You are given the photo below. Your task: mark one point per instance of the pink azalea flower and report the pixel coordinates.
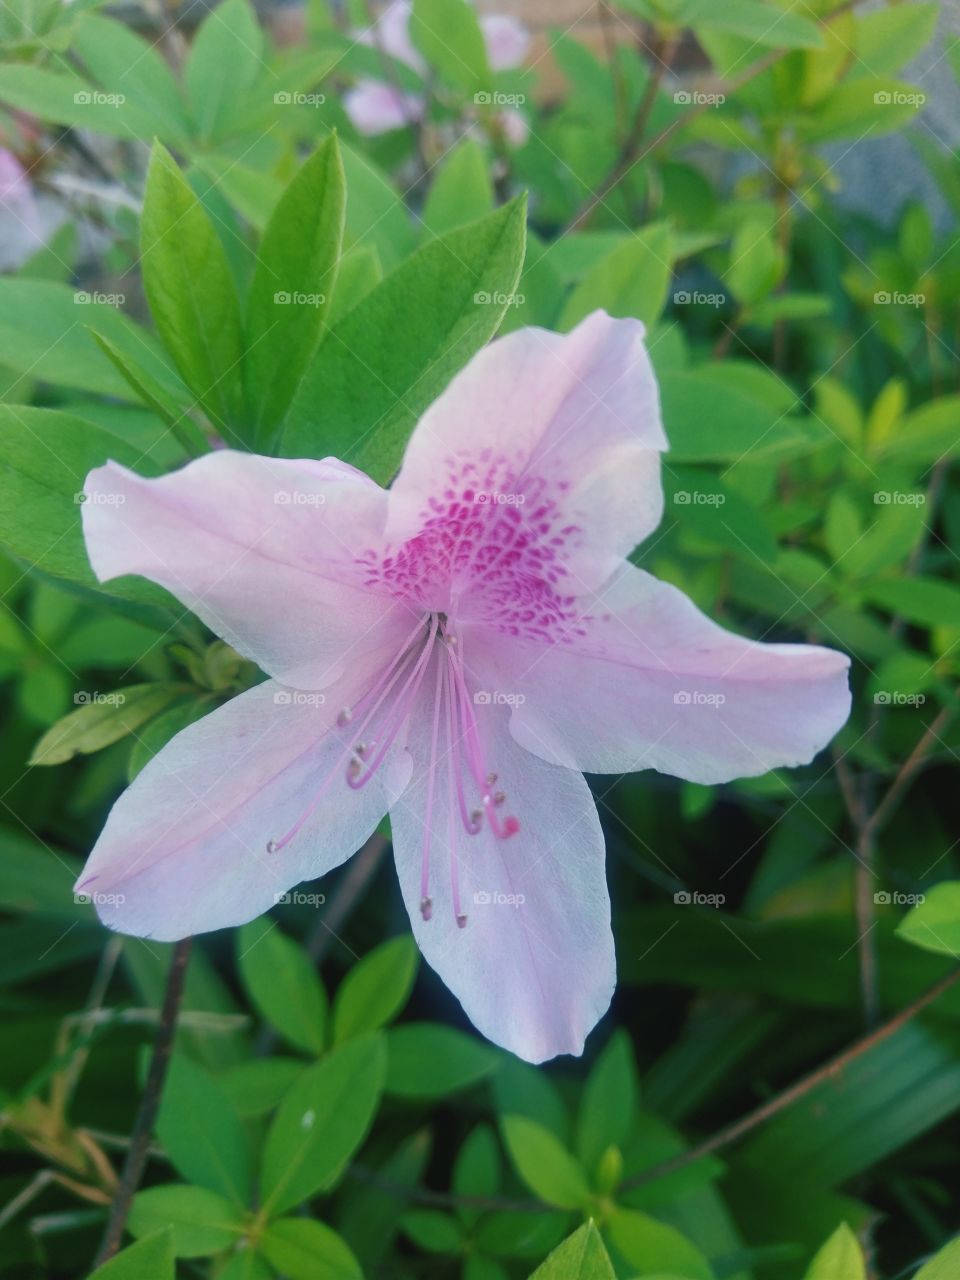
(454, 650)
(375, 107)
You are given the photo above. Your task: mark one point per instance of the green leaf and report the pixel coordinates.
(433, 1230)
(190, 289)
(858, 107)
(462, 190)
(944, 1265)
(925, 601)
(202, 1222)
(888, 38)
(321, 1122)
(544, 1164)
(151, 1258)
(257, 1085)
(392, 355)
(283, 984)
(212, 1154)
(68, 99)
(841, 1258)
(761, 24)
(650, 1245)
(934, 923)
(123, 63)
(45, 334)
(448, 34)
(428, 1060)
(927, 434)
(304, 1249)
(100, 722)
(609, 1102)
(756, 263)
(376, 988)
(709, 419)
(226, 60)
(632, 280)
(293, 284)
(582, 1256)
(155, 396)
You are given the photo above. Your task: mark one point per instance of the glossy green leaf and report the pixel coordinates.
(389, 357)
(283, 984)
(292, 288)
(226, 61)
(321, 1122)
(841, 1258)
(212, 1154)
(304, 1249)
(544, 1164)
(428, 1060)
(448, 34)
(102, 720)
(934, 923)
(581, 1257)
(376, 988)
(191, 292)
(151, 1258)
(631, 280)
(202, 1222)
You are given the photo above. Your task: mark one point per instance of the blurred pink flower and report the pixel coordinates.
(376, 107)
(454, 650)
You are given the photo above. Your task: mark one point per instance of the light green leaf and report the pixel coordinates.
(428, 1060)
(888, 38)
(226, 60)
(609, 1102)
(155, 396)
(64, 98)
(841, 1258)
(123, 63)
(462, 190)
(582, 1256)
(433, 1230)
(925, 601)
(304, 1249)
(544, 1164)
(632, 280)
(871, 106)
(212, 1154)
(934, 923)
(292, 288)
(283, 984)
(102, 721)
(321, 1122)
(448, 34)
(756, 263)
(202, 1222)
(944, 1265)
(151, 1258)
(190, 289)
(650, 1245)
(761, 24)
(376, 988)
(390, 357)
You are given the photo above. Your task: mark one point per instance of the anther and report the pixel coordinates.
(476, 817)
(344, 718)
(353, 768)
(461, 922)
(491, 779)
(426, 908)
(499, 798)
(271, 846)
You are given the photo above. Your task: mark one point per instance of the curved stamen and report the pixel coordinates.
(509, 826)
(397, 718)
(431, 782)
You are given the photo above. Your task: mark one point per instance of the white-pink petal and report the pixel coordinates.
(507, 41)
(261, 549)
(655, 684)
(376, 108)
(534, 966)
(571, 420)
(185, 850)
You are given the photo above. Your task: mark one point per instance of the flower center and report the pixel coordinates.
(455, 745)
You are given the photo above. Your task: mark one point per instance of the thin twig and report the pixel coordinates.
(140, 1138)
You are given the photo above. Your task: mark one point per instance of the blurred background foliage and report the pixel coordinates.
(683, 163)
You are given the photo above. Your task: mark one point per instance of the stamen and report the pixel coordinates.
(382, 687)
(510, 826)
(426, 908)
(461, 922)
(431, 781)
(397, 718)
